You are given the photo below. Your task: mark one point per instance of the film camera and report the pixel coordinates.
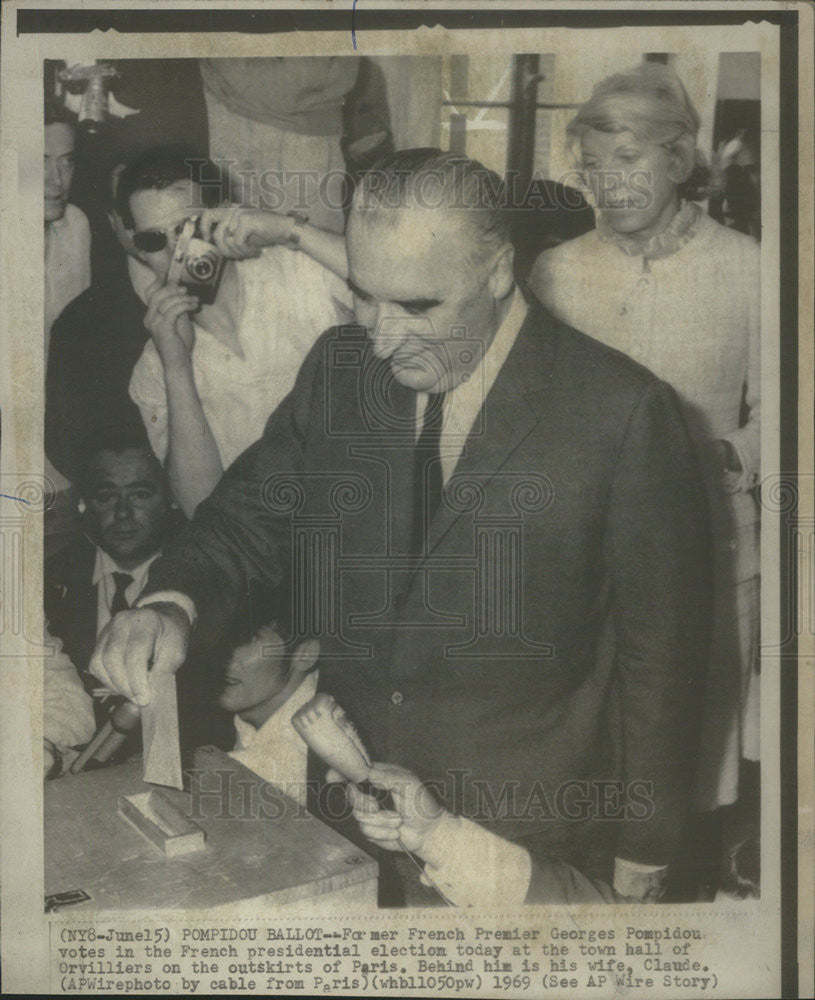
(196, 264)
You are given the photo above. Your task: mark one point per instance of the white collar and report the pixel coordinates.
(463, 404)
(105, 564)
(496, 354)
(485, 372)
(281, 717)
(57, 225)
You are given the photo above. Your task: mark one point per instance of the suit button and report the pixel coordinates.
(397, 698)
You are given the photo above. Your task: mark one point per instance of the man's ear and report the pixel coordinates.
(124, 236)
(502, 276)
(305, 656)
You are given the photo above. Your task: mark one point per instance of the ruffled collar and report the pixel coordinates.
(679, 232)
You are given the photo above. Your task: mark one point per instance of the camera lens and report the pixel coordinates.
(202, 268)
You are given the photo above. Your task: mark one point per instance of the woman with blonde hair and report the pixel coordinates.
(663, 282)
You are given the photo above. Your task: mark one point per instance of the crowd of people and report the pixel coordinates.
(539, 605)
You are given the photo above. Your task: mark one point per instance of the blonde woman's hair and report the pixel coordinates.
(651, 102)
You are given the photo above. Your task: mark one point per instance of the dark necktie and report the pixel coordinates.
(119, 602)
(427, 477)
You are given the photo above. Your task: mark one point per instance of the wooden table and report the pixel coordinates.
(249, 861)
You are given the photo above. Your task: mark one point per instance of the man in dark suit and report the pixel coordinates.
(126, 517)
(94, 344)
(494, 524)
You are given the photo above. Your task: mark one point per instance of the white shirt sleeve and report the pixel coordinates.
(67, 710)
(149, 393)
(474, 867)
(640, 882)
(170, 597)
(325, 296)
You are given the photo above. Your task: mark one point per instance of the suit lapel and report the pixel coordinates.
(510, 412)
(86, 603)
(392, 412)
(73, 600)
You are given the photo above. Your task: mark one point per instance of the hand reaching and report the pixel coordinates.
(149, 638)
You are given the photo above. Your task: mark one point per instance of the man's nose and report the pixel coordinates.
(387, 331)
(53, 180)
(123, 509)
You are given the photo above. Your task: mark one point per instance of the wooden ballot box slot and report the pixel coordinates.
(162, 823)
(230, 841)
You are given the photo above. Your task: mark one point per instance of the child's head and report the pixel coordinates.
(263, 673)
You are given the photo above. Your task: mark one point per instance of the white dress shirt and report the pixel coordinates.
(473, 867)
(287, 301)
(275, 751)
(67, 709)
(104, 568)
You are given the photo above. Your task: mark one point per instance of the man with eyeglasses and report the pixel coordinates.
(213, 371)
(497, 530)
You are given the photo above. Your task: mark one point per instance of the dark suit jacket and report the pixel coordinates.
(95, 342)
(70, 604)
(553, 637)
(70, 599)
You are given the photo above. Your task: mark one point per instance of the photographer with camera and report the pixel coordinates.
(232, 313)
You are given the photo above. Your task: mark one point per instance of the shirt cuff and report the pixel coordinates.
(170, 597)
(474, 867)
(644, 883)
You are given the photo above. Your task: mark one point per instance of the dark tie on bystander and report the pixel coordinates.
(119, 602)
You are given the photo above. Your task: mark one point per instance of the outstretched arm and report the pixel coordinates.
(470, 865)
(240, 232)
(234, 541)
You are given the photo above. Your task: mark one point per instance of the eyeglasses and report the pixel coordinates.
(154, 240)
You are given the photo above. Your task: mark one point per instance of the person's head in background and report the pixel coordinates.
(59, 146)
(430, 264)
(124, 499)
(262, 674)
(155, 193)
(634, 141)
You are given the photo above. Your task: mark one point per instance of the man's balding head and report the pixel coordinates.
(430, 264)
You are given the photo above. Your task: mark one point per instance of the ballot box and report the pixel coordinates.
(229, 842)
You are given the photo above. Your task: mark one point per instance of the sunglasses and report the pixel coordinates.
(154, 240)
